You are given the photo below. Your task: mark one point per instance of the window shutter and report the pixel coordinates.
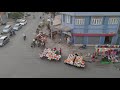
(113, 20)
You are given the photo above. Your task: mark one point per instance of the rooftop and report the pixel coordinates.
(92, 13)
(57, 20)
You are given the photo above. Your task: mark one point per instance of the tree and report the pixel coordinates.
(16, 15)
(53, 14)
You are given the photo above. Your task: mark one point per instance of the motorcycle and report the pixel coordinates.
(83, 47)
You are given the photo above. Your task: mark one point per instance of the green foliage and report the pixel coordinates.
(16, 15)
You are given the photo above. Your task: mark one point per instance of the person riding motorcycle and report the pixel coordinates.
(10, 33)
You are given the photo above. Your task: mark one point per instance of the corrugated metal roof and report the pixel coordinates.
(92, 13)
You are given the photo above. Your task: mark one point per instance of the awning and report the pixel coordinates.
(68, 33)
(58, 27)
(66, 28)
(81, 34)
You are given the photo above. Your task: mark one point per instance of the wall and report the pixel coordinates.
(87, 28)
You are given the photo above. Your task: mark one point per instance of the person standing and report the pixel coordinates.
(34, 42)
(60, 51)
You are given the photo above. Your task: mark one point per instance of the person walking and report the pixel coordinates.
(34, 43)
(24, 36)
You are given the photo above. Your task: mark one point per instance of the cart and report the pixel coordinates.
(41, 39)
(75, 60)
(50, 54)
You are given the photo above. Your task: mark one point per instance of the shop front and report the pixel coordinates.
(90, 39)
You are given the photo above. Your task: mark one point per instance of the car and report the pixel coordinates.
(7, 29)
(27, 14)
(4, 40)
(23, 22)
(17, 27)
(18, 20)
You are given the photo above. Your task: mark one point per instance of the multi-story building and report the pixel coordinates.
(92, 27)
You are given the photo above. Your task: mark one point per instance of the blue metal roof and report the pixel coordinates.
(92, 13)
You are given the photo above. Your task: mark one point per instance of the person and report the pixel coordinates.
(24, 36)
(93, 57)
(60, 51)
(38, 44)
(60, 40)
(10, 33)
(14, 32)
(54, 49)
(34, 42)
(68, 40)
(40, 17)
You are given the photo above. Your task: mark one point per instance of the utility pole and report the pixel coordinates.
(51, 25)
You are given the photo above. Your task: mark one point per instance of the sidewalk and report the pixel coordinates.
(66, 50)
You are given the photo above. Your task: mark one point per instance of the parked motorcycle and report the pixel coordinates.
(83, 46)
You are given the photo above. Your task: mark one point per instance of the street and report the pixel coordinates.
(19, 60)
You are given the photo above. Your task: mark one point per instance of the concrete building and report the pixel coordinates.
(92, 27)
(3, 17)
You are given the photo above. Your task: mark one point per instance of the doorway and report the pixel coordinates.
(108, 40)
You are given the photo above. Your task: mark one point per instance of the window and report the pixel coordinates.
(79, 21)
(63, 17)
(96, 20)
(113, 20)
(71, 19)
(68, 19)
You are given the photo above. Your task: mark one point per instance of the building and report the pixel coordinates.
(92, 28)
(3, 17)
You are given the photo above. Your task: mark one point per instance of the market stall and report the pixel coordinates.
(109, 53)
(75, 60)
(50, 54)
(41, 39)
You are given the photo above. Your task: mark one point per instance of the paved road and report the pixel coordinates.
(19, 60)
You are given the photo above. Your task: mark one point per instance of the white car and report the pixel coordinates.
(4, 40)
(17, 27)
(7, 29)
(23, 22)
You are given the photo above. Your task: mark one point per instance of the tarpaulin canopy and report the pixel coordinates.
(68, 33)
(66, 28)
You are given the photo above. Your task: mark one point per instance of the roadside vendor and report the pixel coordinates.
(54, 49)
(60, 51)
(93, 57)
